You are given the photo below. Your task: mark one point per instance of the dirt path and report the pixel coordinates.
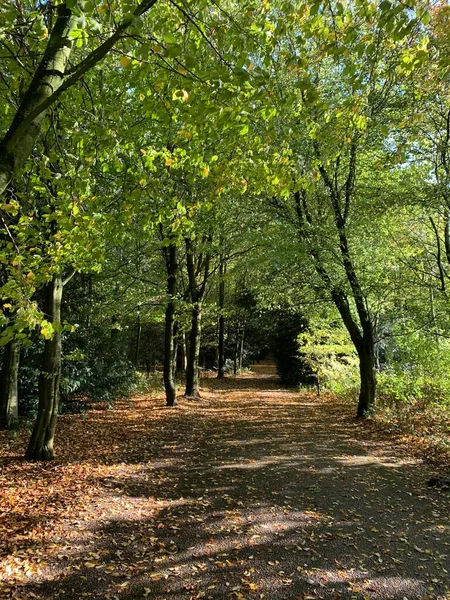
(252, 492)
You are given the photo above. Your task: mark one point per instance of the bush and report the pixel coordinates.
(329, 352)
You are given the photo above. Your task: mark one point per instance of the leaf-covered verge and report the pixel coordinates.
(251, 492)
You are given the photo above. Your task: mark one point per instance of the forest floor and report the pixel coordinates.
(253, 491)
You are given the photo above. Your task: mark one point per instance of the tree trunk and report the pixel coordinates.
(9, 399)
(236, 352)
(40, 446)
(138, 340)
(194, 353)
(221, 344)
(241, 350)
(176, 347)
(367, 392)
(185, 345)
(168, 374)
(195, 267)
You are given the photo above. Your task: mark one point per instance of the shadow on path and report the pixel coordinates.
(254, 491)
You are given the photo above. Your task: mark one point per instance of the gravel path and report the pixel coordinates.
(251, 492)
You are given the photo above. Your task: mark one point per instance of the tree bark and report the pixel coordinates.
(241, 349)
(138, 340)
(192, 379)
(185, 349)
(221, 341)
(236, 351)
(176, 347)
(40, 446)
(197, 269)
(9, 398)
(367, 392)
(170, 254)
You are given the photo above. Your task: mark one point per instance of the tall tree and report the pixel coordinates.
(53, 76)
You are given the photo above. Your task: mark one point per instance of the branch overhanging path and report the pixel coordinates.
(254, 491)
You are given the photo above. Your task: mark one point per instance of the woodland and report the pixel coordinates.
(192, 187)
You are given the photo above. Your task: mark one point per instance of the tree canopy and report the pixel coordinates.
(183, 181)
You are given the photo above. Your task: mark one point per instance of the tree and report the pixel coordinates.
(342, 84)
(53, 76)
(9, 398)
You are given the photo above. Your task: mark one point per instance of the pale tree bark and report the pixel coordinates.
(221, 341)
(40, 446)
(241, 348)
(9, 398)
(50, 80)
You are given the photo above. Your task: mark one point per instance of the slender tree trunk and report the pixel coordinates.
(221, 345)
(40, 446)
(176, 346)
(362, 333)
(192, 379)
(365, 347)
(9, 398)
(184, 352)
(169, 381)
(138, 340)
(367, 392)
(447, 237)
(241, 349)
(195, 266)
(236, 351)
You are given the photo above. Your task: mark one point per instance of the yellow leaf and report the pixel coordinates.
(125, 62)
(180, 95)
(205, 171)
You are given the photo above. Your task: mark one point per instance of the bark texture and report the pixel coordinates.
(221, 335)
(192, 378)
(198, 272)
(40, 446)
(170, 255)
(9, 398)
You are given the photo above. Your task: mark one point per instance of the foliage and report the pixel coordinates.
(328, 351)
(417, 371)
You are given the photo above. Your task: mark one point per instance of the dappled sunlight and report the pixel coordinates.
(246, 497)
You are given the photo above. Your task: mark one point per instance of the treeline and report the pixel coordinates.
(184, 183)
